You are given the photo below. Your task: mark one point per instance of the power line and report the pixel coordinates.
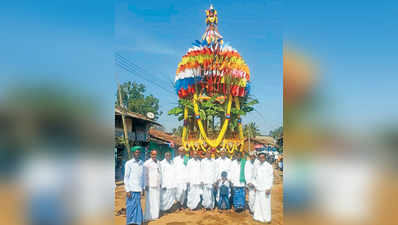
(134, 72)
(137, 67)
(144, 70)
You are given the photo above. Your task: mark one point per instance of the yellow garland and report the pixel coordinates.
(184, 130)
(216, 142)
(213, 143)
(237, 105)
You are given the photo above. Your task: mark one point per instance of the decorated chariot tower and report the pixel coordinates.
(212, 82)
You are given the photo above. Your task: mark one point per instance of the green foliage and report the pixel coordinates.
(211, 109)
(177, 131)
(135, 101)
(251, 129)
(186, 102)
(247, 106)
(179, 109)
(176, 111)
(235, 111)
(277, 132)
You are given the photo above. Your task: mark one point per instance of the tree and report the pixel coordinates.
(277, 132)
(251, 129)
(177, 131)
(135, 101)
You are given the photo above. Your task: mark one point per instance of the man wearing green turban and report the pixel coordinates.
(135, 148)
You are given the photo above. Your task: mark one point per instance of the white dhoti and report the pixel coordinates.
(167, 198)
(262, 207)
(208, 197)
(252, 198)
(194, 193)
(152, 204)
(181, 193)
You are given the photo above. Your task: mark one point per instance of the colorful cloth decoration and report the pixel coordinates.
(212, 66)
(213, 70)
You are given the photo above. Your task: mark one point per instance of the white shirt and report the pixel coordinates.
(152, 173)
(249, 171)
(181, 170)
(134, 176)
(208, 171)
(256, 162)
(167, 172)
(223, 165)
(193, 168)
(234, 177)
(263, 176)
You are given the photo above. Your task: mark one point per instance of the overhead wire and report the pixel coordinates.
(127, 67)
(144, 71)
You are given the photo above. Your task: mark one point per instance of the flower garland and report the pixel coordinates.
(229, 145)
(184, 129)
(217, 141)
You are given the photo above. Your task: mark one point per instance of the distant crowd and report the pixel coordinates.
(200, 182)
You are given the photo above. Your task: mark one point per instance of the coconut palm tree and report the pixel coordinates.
(251, 129)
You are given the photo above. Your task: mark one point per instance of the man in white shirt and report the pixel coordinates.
(134, 185)
(152, 187)
(208, 172)
(180, 177)
(167, 183)
(263, 180)
(194, 182)
(249, 175)
(238, 182)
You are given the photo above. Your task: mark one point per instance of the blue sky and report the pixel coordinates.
(67, 43)
(156, 34)
(72, 44)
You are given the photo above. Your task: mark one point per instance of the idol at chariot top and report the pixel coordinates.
(212, 82)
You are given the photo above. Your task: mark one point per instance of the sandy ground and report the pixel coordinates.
(209, 217)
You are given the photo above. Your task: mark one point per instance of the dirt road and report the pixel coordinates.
(209, 217)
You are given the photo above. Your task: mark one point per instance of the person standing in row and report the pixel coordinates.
(249, 176)
(180, 177)
(263, 180)
(194, 182)
(208, 172)
(238, 182)
(134, 185)
(167, 182)
(152, 181)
